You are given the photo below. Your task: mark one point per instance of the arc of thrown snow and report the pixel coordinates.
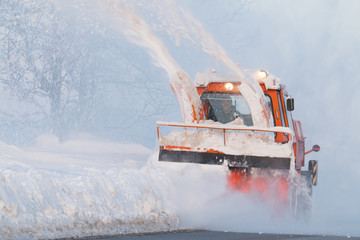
(140, 33)
(192, 109)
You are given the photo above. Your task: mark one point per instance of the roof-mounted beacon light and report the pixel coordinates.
(262, 74)
(229, 86)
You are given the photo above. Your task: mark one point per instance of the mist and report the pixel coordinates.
(311, 46)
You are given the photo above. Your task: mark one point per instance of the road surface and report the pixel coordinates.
(211, 235)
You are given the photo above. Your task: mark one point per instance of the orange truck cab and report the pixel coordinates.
(225, 111)
(222, 102)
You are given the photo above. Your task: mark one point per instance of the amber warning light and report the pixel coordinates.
(262, 74)
(229, 86)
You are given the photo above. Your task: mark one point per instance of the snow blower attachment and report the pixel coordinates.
(248, 128)
(215, 144)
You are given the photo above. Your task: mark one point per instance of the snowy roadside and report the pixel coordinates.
(81, 188)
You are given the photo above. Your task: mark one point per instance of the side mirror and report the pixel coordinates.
(316, 148)
(290, 104)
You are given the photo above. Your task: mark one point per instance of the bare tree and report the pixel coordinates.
(44, 62)
(73, 72)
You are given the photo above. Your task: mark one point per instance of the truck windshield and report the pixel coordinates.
(226, 107)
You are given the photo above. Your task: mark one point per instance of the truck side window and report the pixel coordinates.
(289, 116)
(281, 110)
(268, 100)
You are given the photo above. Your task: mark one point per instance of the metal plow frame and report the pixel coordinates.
(170, 153)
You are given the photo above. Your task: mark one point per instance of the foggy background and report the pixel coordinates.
(69, 70)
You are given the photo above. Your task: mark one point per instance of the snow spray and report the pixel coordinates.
(139, 32)
(179, 23)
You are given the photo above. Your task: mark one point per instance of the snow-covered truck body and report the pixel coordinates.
(244, 131)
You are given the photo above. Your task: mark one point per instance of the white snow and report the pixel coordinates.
(187, 97)
(270, 82)
(138, 31)
(209, 76)
(259, 108)
(239, 139)
(81, 188)
(87, 186)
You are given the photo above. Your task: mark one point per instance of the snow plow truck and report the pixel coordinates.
(243, 122)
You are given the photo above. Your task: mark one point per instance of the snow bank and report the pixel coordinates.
(55, 190)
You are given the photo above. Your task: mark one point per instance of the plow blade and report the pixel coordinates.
(237, 146)
(219, 159)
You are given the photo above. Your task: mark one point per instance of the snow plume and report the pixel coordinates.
(139, 32)
(178, 22)
(257, 104)
(187, 96)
